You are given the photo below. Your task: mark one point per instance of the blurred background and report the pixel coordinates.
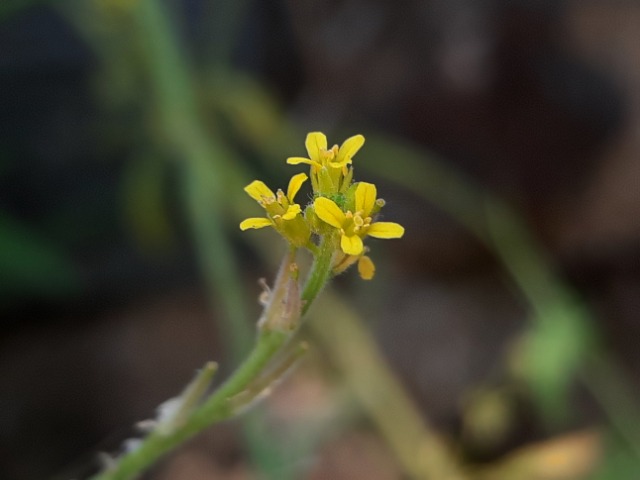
(500, 335)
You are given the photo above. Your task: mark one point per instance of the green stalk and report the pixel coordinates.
(218, 406)
(319, 275)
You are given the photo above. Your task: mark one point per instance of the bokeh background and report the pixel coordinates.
(500, 335)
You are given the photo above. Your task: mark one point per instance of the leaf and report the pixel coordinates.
(29, 264)
(554, 351)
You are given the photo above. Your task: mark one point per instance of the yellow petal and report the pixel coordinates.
(342, 262)
(255, 223)
(294, 185)
(349, 148)
(329, 212)
(386, 230)
(316, 142)
(340, 164)
(366, 268)
(291, 212)
(299, 160)
(258, 191)
(365, 198)
(351, 245)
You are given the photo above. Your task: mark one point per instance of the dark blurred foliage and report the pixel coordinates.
(101, 304)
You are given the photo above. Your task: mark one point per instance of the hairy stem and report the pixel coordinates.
(319, 275)
(218, 406)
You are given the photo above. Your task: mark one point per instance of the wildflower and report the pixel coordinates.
(282, 212)
(353, 227)
(330, 171)
(341, 209)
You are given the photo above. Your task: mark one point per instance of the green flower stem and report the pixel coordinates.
(320, 273)
(219, 406)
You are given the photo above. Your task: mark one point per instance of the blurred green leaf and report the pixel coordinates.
(619, 463)
(9, 7)
(28, 264)
(555, 349)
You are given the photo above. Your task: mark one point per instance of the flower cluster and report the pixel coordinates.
(342, 211)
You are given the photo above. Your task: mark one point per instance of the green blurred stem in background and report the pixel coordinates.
(203, 169)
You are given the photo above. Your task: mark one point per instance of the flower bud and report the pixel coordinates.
(284, 305)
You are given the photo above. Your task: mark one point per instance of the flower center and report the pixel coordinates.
(275, 206)
(355, 223)
(328, 155)
(266, 201)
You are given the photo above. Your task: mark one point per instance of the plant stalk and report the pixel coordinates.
(218, 406)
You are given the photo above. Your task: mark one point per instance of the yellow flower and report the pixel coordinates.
(329, 166)
(354, 227)
(320, 156)
(282, 212)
